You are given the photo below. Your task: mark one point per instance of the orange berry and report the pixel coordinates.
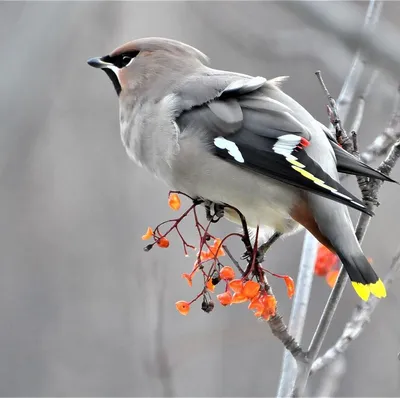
(325, 261)
(236, 285)
(148, 234)
(270, 307)
(225, 298)
(251, 289)
(217, 249)
(183, 307)
(163, 242)
(289, 285)
(256, 304)
(331, 277)
(174, 202)
(238, 298)
(210, 286)
(204, 256)
(227, 273)
(188, 277)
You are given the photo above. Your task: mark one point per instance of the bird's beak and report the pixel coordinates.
(98, 62)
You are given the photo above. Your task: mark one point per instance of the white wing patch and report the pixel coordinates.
(230, 146)
(286, 144)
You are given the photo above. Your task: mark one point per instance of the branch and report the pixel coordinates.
(289, 375)
(359, 319)
(330, 308)
(299, 311)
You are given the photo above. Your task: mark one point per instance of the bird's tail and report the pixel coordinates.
(364, 279)
(335, 231)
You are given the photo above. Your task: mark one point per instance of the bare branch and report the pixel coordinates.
(280, 330)
(333, 111)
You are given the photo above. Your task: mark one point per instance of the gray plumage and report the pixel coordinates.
(232, 138)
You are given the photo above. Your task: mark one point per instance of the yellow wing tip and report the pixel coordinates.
(377, 289)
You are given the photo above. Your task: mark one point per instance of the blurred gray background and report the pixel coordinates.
(84, 311)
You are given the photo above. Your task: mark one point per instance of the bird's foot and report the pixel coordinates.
(214, 211)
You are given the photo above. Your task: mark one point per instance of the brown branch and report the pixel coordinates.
(280, 331)
(341, 135)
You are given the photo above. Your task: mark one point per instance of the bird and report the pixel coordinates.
(230, 138)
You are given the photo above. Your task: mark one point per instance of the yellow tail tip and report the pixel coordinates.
(362, 290)
(377, 289)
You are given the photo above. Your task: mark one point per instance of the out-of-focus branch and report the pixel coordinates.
(331, 378)
(359, 319)
(258, 45)
(390, 135)
(351, 83)
(341, 19)
(299, 312)
(359, 114)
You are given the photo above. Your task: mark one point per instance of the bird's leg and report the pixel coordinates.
(218, 211)
(262, 249)
(266, 246)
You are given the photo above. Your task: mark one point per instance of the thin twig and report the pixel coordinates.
(235, 263)
(333, 111)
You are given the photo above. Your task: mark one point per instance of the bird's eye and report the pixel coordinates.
(125, 60)
(121, 60)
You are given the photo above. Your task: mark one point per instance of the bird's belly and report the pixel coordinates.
(262, 200)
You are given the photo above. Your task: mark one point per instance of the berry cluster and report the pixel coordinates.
(250, 287)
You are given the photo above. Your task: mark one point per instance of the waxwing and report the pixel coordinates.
(235, 139)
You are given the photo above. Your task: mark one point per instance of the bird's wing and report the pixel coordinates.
(349, 164)
(250, 129)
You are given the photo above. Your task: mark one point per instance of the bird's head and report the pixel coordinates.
(147, 59)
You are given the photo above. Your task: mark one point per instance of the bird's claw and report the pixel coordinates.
(218, 211)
